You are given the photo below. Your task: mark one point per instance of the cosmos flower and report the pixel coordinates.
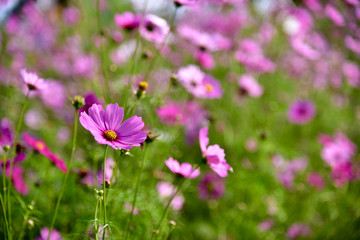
(41, 148)
(17, 179)
(297, 230)
(172, 114)
(154, 28)
(185, 169)
(44, 234)
(90, 99)
(107, 127)
(211, 186)
(32, 80)
(109, 169)
(127, 20)
(214, 155)
(332, 13)
(316, 180)
(6, 132)
(266, 225)
(199, 84)
(301, 112)
(248, 85)
(167, 190)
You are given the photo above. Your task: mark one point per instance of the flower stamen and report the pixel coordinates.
(110, 135)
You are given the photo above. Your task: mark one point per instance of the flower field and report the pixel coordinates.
(179, 119)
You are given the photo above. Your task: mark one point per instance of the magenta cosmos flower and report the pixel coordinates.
(41, 147)
(127, 20)
(248, 85)
(214, 154)
(44, 235)
(32, 80)
(301, 112)
(211, 186)
(107, 128)
(185, 169)
(154, 28)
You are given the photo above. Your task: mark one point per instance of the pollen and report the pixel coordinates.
(209, 87)
(110, 135)
(40, 145)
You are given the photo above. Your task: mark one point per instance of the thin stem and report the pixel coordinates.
(3, 200)
(66, 174)
(106, 94)
(12, 155)
(95, 224)
(104, 190)
(136, 192)
(156, 231)
(26, 217)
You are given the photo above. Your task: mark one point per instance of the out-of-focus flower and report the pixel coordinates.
(316, 180)
(71, 15)
(54, 95)
(179, 3)
(266, 225)
(6, 132)
(154, 28)
(128, 207)
(107, 128)
(214, 155)
(352, 44)
(34, 119)
(250, 54)
(32, 80)
(109, 169)
(122, 54)
(17, 178)
(44, 235)
(90, 99)
(41, 148)
(248, 85)
(166, 191)
(298, 230)
(301, 111)
(342, 174)
(211, 186)
(352, 73)
(199, 84)
(172, 114)
(335, 16)
(127, 20)
(185, 169)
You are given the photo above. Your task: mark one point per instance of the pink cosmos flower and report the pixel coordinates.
(128, 207)
(71, 15)
(248, 85)
(172, 114)
(6, 132)
(352, 73)
(338, 150)
(32, 80)
(109, 169)
(54, 95)
(179, 3)
(316, 180)
(266, 225)
(199, 84)
(342, 174)
(166, 191)
(17, 179)
(185, 169)
(90, 99)
(353, 44)
(154, 28)
(107, 128)
(335, 16)
(214, 155)
(211, 186)
(41, 147)
(127, 20)
(297, 230)
(301, 112)
(44, 234)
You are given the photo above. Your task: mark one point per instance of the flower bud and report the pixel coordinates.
(30, 223)
(141, 89)
(78, 102)
(6, 148)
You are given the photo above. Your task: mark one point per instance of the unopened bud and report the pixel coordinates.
(141, 89)
(147, 55)
(30, 223)
(107, 183)
(150, 137)
(172, 223)
(6, 148)
(78, 102)
(173, 79)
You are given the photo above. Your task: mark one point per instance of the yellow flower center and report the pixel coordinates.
(110, 135)
(209, 87)
(40, 145)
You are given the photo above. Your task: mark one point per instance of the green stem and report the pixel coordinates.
(157, 230)
(26, 217)
(12, 155)
(96, 219)
(136, 192)
(104, 190)
(66, 174)
(106, 94)
(3, 200)
(3, 209)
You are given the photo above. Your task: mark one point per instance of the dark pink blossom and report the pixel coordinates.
(332, 13)
(44, 235)
(316, 180)
(298, 230)
(301, 111)
(154, 28)
(107, 127)
(249, 86)
(211, 186)
(127, 20)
